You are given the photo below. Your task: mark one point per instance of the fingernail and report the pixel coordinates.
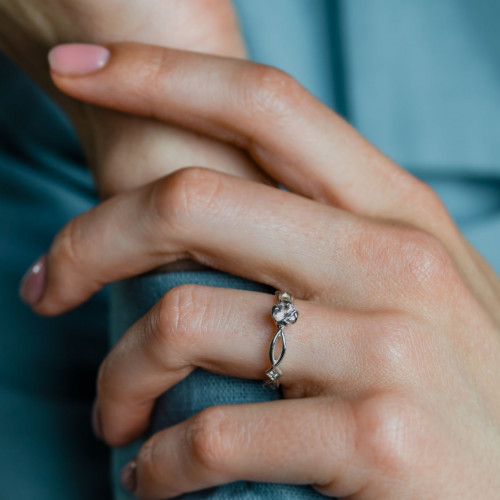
(78, 58)
(128, 477)
(96, 420)
(33, 282)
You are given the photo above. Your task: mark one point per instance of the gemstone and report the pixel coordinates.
(274, 373)
(284, 313)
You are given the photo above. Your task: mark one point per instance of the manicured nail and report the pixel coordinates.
(128, 477)
(78, 58)
(33, 282)
(96, 420)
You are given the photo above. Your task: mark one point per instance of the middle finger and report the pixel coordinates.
(255, 231)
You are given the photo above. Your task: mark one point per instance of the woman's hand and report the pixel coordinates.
(391, 374)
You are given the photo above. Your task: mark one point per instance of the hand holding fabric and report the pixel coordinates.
(391, 375)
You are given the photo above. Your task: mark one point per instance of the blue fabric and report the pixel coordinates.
(420, 79)
(47, 365)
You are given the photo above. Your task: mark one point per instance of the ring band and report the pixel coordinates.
(284, 313)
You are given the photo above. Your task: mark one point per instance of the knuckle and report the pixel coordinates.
(209, 438)
(175, 322)
(427, 263)
(272, 92)
(183, 197)
(66, 246)
(391, 429)
(153, 68)
(414, 259)
(151, 461)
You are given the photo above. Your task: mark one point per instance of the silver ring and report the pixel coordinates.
(284, 313)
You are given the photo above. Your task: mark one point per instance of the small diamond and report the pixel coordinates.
(274, 373)
(284, 313)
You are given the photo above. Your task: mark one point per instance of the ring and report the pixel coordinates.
(284, 313)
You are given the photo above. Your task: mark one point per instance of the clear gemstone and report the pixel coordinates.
(274, 373)
(284, 313)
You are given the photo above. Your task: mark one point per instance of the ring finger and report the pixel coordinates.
(228, 332)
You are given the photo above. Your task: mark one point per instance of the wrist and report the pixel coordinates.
(28, 31)
(124, 151)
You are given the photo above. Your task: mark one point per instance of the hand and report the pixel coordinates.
(391, 374)
(126, 151)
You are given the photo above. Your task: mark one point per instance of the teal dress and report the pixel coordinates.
(420, 79)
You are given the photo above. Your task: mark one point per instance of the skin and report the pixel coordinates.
(391, 374)
(126, 151)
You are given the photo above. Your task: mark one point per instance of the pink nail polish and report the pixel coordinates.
(78, 58)
(33, 282)
(96, 420)
(128, 477)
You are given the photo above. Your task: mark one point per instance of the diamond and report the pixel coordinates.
(274, 373)
(284, 313)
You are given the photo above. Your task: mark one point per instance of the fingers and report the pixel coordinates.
(224, 331)
(259, 232)
(294, 137)
(228, 332)
(300, 441)
(282, 239)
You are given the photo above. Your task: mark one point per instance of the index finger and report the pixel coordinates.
(291, 135)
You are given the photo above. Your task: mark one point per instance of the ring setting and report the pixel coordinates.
(284, 313)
